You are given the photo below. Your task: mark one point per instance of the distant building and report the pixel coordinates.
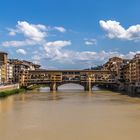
(124, 73)
(9, 72)
(130, 71)
(134, 70)
(3, 65)
(0, 75)
(3, 58)
(20, 66)
(114, 64)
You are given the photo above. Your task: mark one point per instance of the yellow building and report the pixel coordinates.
(134, 70)
(3, 65)
(131, 71)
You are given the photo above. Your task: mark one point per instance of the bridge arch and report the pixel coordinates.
(70, 86)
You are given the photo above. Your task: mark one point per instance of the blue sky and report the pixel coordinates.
(69, 34)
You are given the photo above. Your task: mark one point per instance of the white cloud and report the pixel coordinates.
(53, 49)
(60, 29)
(17, 43)
(12, 32)
(58, 43)
(90, 42)
(56, 53)
(36, 58)
(31, 31)
(21, 51)
(115, 30)
(66, 59)
(34, 34)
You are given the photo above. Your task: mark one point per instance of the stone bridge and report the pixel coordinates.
(55, 78)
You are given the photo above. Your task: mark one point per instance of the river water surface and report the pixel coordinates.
(70, 115)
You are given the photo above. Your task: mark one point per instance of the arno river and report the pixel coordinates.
(70, 115)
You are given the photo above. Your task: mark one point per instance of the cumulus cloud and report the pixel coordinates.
(60, 29)
(21, 51)
(85, 57)
(90, 42)
(18, 43)
(115, 30)
(34, 34)
(36, 58)
(32, 31)
(12, 32)
(55, 51)
(58, 43)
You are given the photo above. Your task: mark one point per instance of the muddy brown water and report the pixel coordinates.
(70, 115)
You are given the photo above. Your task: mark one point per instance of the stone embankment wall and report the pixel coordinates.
(132, 90)
(9, 87)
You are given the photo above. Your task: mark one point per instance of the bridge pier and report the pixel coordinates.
(53, 86)
(88, 86)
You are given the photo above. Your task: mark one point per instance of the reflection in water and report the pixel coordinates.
(5, 104)
(69, 115)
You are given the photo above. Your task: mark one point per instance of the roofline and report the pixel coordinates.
(45, 70)
(4, 53)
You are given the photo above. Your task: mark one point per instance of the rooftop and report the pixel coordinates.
(3, 53)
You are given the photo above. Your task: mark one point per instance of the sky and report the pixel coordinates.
(69, 34)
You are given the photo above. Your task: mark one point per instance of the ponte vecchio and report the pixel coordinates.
(55, 78)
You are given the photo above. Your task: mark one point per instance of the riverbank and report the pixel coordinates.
(9, 87)
(10, 92)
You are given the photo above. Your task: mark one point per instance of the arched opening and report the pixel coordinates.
(70, 86)
(44, 89)
(95, 88)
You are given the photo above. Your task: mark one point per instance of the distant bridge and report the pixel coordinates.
(55, 78)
